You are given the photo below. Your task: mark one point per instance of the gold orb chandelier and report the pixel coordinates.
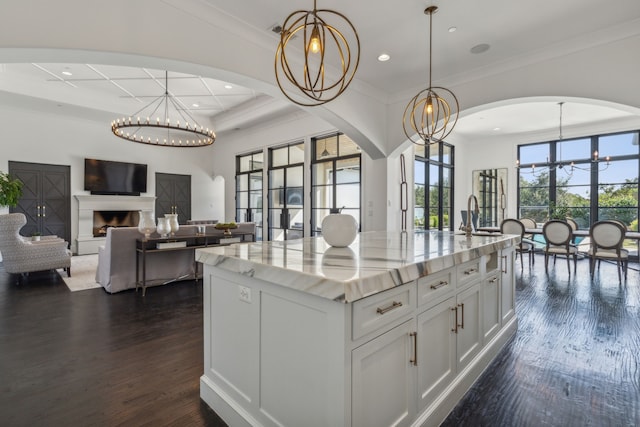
(165, 123)
(432, 114)
(323, 44)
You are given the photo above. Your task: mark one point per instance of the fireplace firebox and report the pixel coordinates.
(103, 220)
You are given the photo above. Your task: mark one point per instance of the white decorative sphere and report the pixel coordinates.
(339, 230)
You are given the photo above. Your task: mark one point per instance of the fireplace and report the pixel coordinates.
(96, 213)
(103, 220)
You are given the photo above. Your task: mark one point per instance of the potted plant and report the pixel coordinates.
(35, 236)
(10, 190)
(558, 212)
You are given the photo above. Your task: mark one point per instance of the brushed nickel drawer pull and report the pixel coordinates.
(393, 305)
(494, 280)
(504, 263)
(470, 271)
(439, 285)
(414, 360)
(461, 315)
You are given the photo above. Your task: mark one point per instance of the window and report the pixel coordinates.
(335, 175)
(249, 189)
(286, 192)
(588, 179)
(433, 186)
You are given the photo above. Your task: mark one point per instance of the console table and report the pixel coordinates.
(152, 245)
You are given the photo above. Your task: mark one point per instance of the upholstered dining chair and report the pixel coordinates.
(21, 256)
(607, 238)
(558, 235)
(514, 226)
(574, 226)
(530, 224)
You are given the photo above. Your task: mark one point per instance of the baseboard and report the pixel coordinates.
(224, 406)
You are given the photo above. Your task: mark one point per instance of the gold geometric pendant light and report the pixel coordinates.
(322, 45)
(432, 114)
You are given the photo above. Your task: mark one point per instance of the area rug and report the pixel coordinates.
(83, 273)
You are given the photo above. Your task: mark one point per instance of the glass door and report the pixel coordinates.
(249, 190)
(286, 192)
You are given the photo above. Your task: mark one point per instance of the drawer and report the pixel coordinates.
(434, 288)
(380, 310)
(468, 272)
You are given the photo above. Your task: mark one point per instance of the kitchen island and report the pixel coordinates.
(391, 330)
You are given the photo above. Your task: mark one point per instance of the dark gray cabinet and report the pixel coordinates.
(173, 195)
(46, 198)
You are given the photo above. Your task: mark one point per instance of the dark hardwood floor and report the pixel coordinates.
(89, 358)
(92, 359)
(575, 360)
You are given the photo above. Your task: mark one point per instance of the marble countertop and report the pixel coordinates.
(374, 262)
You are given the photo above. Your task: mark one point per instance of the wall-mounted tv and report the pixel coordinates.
(116, 178)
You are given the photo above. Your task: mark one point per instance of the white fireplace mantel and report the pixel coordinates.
(87, 204)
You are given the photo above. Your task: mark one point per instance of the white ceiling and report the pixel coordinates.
(517, 33)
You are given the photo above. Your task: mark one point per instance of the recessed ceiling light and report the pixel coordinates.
(67, 73)
(228, 87)
(496, 129)
(384, 57)
(195, 104)
(480, 48)
(452, 29)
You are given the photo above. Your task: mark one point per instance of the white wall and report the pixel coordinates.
(62, 138)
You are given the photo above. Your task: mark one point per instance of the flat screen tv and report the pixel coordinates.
(116, 178)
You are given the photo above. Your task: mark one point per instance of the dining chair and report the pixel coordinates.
(514, 226)
(574, 226)
(528, 223)
(558, 235)
(607, 237)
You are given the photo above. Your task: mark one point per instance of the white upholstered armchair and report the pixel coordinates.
(21, 255)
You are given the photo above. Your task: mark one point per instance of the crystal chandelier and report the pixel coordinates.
(165, 123)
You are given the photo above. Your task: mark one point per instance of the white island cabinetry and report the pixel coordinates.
(357, 340)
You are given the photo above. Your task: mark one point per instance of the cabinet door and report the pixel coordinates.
(436, 351)
(173, 195)
(469, 340)
(490, 306)
(46, 198)
(383, 379)
(507, 285)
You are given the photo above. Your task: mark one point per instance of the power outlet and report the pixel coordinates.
(244, 294)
